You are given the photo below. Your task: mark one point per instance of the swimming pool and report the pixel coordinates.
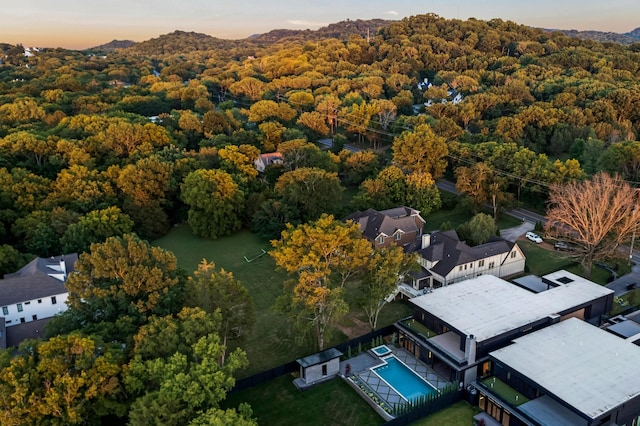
(381, 350)
(401, 378)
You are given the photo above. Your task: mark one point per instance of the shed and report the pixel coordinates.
(318, 367)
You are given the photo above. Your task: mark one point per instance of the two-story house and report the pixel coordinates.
(454, 328)
(32, 295)
(446, 260)
(401, 226)
(571, 373)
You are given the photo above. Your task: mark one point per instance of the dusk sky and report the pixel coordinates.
(78, 24)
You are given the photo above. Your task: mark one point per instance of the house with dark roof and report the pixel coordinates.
(446, 260)
(401, 226)
(32, 295)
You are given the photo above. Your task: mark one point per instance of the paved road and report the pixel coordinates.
(329, 144)
(522, 214)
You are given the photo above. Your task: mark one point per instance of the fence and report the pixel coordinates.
(430, 407)
(292, 366)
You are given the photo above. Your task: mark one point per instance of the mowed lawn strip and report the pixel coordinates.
(459, 414)
(279, 402)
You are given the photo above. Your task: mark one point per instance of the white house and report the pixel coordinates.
(446, 260)
(34, 293)
(265, 160)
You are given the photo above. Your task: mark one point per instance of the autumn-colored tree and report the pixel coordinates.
(239, 160)
(215, 202)
(422, 193)
(385, 269)
(124, 277)
(322, 255)
(264, 110)
(72, 379)
(421, 150)
(595, 216)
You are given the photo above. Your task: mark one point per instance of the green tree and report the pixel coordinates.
(478, 229)
(385, 270)
(215, 202)
(422, 193)
(213, 290)
(175, 382)
(323, 255)
(95, 227)
(271, 218)
(311, 191)
(11, 259)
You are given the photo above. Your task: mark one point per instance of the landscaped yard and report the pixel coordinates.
(459, 414)
(272, 341)
(279, 402)
(542, 259)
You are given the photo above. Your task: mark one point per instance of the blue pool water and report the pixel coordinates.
(381, 350)
(403, 380)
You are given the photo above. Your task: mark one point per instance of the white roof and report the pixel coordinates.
(588, 368)
(487, 306)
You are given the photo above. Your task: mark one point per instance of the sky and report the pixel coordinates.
(79, 24)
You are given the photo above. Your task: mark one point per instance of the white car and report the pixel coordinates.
(534, 237)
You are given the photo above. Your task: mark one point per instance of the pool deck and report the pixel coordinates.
(361, 365)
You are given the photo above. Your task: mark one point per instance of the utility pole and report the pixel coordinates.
(635, 227)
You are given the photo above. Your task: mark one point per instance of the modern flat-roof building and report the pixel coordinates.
(454, 328)
(571, 373)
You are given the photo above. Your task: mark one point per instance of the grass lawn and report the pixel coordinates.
(459, 414)
(455, 217)
(542, 261)
(272, 341)
(279, 402)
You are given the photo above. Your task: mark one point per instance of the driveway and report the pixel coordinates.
(512, 234)
(624, 284)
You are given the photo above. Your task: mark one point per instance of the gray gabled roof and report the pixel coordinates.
(39, 278)
(446, 248)
(387, 222)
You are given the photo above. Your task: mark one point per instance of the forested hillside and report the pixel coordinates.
(135, 140)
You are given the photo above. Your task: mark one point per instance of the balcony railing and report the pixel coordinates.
(424, 334)
(503, 391)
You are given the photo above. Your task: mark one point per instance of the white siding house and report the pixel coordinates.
(34, 293)
(446, 260)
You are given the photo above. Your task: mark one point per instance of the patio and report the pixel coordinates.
(362, 374)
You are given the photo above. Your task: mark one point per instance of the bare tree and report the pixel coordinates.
(595, 216)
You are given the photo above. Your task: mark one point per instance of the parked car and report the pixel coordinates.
(534, 237)
(563, 246)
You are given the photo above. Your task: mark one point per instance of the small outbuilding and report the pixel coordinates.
(318, 367)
